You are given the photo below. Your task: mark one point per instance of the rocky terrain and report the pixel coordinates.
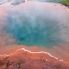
(25, 59)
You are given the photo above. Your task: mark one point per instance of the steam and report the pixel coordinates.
(22, 1)
(35, 26)
(35, 22)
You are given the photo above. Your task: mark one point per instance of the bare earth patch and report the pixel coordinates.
(25, 59)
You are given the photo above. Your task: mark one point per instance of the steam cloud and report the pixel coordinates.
(42, 25)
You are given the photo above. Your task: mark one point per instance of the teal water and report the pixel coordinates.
(41, 26)
(40, 32)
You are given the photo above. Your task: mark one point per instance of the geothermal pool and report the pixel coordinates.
(42, 26)
(34, 28)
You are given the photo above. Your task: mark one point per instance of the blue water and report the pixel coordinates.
(36, 24)
(37, 31)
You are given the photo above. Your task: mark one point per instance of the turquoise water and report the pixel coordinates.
(37, 31)
(40, 26)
